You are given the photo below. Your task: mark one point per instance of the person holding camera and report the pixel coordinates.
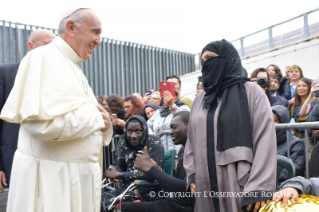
(136, 138)
(261, 77)
(310, 101)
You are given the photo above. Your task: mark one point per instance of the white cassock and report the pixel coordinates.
(57, 166)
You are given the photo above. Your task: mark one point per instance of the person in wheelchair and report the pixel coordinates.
(136, 138)
(182, 201)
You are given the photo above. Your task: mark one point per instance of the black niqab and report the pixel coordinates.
(224, 75)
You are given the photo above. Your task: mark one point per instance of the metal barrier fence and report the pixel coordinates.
(110, 152)
(304, 125)
(115, 67)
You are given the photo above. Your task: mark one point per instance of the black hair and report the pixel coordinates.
(174, 77)
(184, 116)
(275, 76)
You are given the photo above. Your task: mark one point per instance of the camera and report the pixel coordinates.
(317, 93)
(262, 82)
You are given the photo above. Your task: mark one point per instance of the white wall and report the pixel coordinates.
(189, 82)
(304, 54)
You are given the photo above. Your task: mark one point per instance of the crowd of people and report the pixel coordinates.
(223, 141)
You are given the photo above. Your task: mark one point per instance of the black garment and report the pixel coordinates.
(119, 130)
(152, 105)
(313, 163)
(211, 154)
(285, 88)
(162, 205)
(8, 131)
(270, 98)
(165, 111)
(280, 101)
(314, 113)
(170, 184)
(297, 146)
(127, 155)
(224, 74)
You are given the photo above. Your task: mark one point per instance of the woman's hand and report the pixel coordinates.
(120, 122)
(168, 99)
(285, 195)
(291, 101)
(287, 70)
(314, 87)
(153, 133)
(258, 205)
(193, 188)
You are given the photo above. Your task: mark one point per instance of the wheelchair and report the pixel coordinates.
(132, 192)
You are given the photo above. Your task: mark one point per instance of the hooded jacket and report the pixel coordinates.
(297, 147)
(152, 105)
(127, 153)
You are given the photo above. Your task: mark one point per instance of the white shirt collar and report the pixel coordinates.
(66, 50)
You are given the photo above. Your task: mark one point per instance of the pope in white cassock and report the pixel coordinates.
(57, 166)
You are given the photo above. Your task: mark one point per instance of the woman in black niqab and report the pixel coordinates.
(224, 79)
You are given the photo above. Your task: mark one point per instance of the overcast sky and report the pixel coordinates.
(182, 25)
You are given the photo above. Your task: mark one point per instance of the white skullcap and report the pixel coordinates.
(69, 11)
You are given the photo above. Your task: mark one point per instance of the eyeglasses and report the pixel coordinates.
(127, 107)
(153, 98)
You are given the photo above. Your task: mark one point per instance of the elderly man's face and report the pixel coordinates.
(156, 99)
(87, 36)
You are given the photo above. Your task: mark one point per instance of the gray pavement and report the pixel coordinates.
(3, 201)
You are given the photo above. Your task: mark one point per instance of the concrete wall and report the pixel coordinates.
(189, 83)
(304, 54)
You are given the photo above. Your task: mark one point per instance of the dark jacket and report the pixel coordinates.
(280, 101)
(152, 105)
(8, 131)
(127, 154)
(119, 130)
(297, 148)
(285, 89)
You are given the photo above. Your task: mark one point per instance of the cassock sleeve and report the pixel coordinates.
(262, 177)
(78, 123)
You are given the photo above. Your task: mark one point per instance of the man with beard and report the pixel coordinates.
(136, 138)
(181, 201)
(273, 90)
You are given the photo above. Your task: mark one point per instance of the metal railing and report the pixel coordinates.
(110, 152)
(290, 37)
(265, 44)
(303, 125)
(116, 67)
